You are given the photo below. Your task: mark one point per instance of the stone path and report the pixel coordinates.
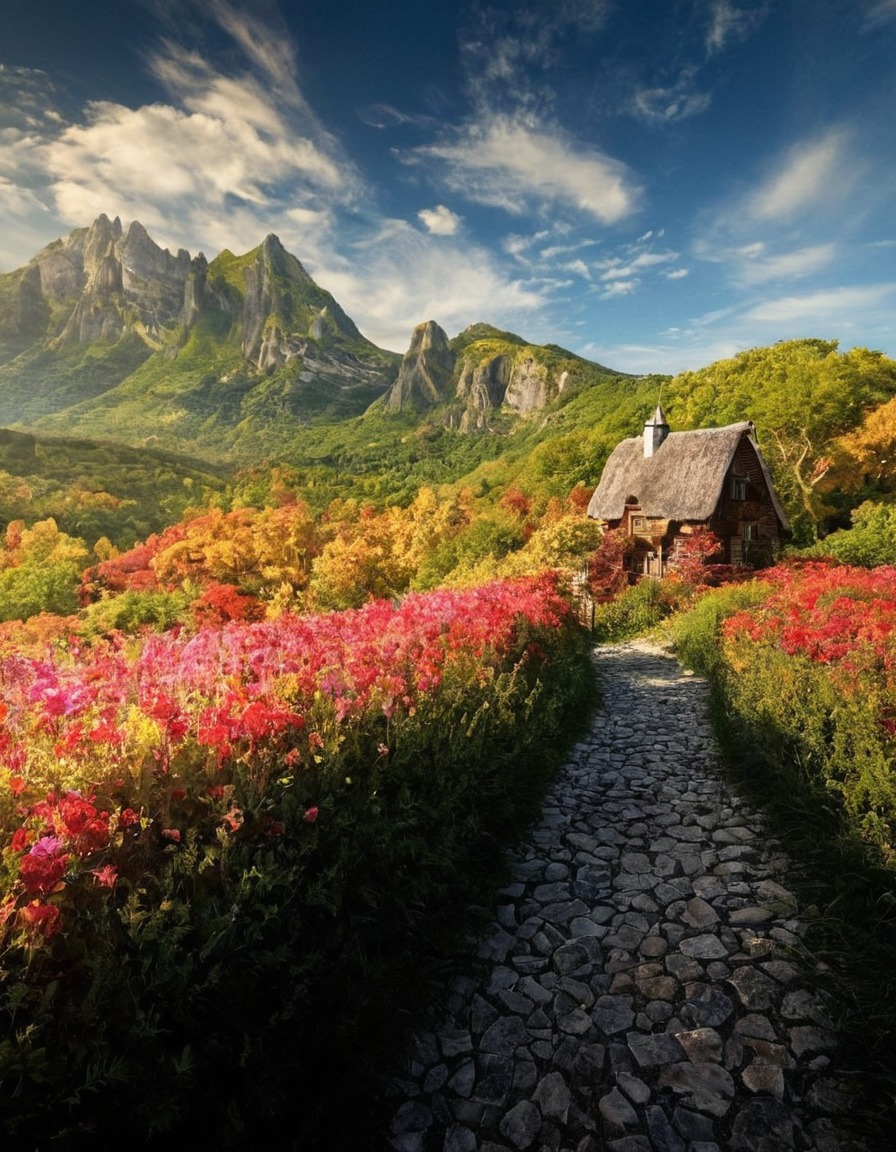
(639, 991)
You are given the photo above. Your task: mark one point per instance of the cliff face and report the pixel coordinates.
(425, 376)
(115, 281)
(482, 372)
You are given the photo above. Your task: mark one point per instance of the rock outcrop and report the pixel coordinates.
(425, 377)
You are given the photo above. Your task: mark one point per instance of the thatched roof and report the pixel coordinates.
(681, 481)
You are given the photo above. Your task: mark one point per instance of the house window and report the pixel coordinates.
(738, 487)
(639, 523)
(749, 531)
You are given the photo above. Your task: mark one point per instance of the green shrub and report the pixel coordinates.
(636, 609)
(695, 632)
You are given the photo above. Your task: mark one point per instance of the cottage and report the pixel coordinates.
(660, 486)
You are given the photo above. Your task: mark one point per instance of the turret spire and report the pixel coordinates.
(656, 429)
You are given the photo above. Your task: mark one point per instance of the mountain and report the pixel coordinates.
(484, 374)
(104, 334)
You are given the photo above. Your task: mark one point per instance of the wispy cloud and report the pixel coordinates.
(508, 52)
(811, 173)
(623, 273)
(676, 101)
(760, 268)
(823, 306)
(730, 23)
(879, 12)
(515, 165)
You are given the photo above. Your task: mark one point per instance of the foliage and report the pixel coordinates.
(95, 490)
(39, 571)
(695, 631)
(802, 395)
(869, 542)
(637, 608)
(227, 852)
(809, 671)
(607, 572)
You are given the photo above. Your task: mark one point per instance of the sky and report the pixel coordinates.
(652, 184)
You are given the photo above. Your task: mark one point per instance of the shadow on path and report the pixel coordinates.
(643, 986)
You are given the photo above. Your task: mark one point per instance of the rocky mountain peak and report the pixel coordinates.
(424, 378)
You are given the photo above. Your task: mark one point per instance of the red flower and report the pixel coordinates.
(234, 819)
(106, 876)
(311, 815)
(172, 834)
(40, 919)
(21, 839)
(44, 866)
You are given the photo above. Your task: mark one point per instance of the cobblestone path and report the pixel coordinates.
(639, 991)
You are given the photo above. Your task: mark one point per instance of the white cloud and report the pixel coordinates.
(212, 165)
(579, 267)
(758, 268)
(406, 276)
(729, 23)
(824, 305)
(512, 164)
(440, 221)
(677, 274)
(619, 288)
(811, 174)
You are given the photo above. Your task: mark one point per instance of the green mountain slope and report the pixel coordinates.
(94, 488)
(105, 334)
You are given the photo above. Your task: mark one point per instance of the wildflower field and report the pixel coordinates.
(225, 849)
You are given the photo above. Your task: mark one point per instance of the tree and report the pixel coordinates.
(802, 395)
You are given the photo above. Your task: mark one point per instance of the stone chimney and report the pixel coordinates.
(656, 429)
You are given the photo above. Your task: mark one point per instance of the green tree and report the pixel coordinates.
(802, 395)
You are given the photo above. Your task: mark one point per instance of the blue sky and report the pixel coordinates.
(654, 184)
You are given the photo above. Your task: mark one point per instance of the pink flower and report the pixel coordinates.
(106, 876)
(310, 815)
(172, 834)
(47, 846)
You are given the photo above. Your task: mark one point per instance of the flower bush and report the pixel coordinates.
(810, 671)
(218, 839)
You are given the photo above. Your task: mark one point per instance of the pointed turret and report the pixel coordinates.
(656, 429)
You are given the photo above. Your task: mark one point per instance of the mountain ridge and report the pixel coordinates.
(104, 333)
